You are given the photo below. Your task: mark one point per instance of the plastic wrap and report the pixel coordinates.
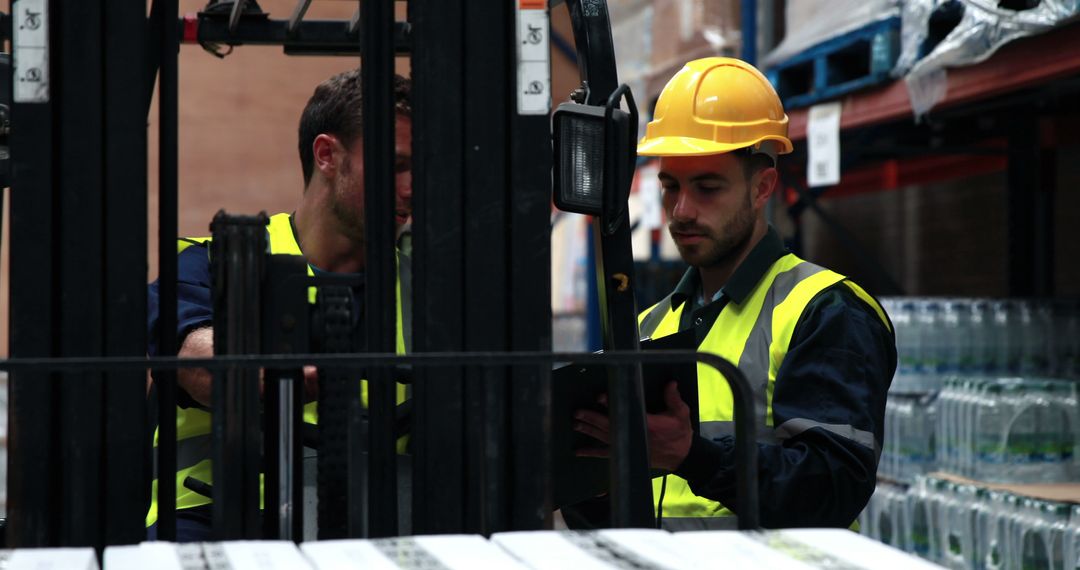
(982, 29)
(810, 22)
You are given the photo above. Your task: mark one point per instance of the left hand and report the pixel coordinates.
(669, 432)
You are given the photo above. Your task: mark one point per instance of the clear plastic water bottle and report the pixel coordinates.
(921, 540)
(902, 312)
(990, 422)
(1021, 435)
(983, 351)
(925, 423)
(932, 344)
(969, 403)
(1033, 322)
(1072, 539)
(945, 445)
(887, 462)
(1005, 347)
(1033, 539)
(992, 538)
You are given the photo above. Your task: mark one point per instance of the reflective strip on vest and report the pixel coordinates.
(756, 335)
(193, 439)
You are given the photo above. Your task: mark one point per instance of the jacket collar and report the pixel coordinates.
(745, 278)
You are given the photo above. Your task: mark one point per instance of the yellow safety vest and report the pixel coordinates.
(755, 335)
(193, 447)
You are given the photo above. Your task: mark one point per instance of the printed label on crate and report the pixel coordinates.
(823, 145)
(31, 51)
(534, 59)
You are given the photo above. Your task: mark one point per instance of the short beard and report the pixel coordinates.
(723, 242)
(350, 220)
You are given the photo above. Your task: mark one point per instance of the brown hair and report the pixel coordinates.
(336, 109)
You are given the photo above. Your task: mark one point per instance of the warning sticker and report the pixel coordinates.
(532, 4)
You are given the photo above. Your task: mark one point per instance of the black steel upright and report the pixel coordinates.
(168, 170)
(32, 477)
(80, 255)
(127, 444)
(486, 106)
(238, 264)
(380, 314)
(78, 474)
(631, 490)
(481, 181)
(438, 285)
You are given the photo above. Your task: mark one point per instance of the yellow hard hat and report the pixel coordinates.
(714, 105)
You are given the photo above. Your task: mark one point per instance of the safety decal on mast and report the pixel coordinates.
(534, 57)
(31, 51)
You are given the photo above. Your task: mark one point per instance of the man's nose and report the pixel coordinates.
(683, 210)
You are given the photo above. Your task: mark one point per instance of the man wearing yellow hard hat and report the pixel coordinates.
(818, 349)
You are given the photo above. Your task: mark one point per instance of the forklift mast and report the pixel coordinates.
(81, 450)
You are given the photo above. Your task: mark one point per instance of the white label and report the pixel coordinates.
(533, 31)
(31, 51)
(534, 61)
(823, 145)
(534, 88)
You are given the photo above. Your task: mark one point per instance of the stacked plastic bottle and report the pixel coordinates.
(965, 527)
(1008, 430)
(937, 338)
(952, 355)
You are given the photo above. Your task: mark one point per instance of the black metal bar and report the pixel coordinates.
(746, 468)
(529, 244)
(285, 331)
(631, 490)
(338, 499)
(489, 38)
(596, 51)
(167, 269)
(238, 267)
(127, 472)
(631, 486)
(745, 431)
(32, 464)
(438, 178)
(80, 260)
(358, 360)
(380, 315)
(324, 37)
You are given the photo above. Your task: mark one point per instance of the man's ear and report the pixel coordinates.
(764, 184)
(326, 150)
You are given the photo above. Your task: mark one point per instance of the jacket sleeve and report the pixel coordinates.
(193, 298)
(828, 415)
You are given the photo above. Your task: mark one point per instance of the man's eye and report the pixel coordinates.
(708, 188)
(669, 187)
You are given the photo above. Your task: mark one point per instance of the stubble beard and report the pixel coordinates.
(722, 243)
(349, 217)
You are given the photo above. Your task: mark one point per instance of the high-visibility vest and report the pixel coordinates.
(193, 447)
(754, 335)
